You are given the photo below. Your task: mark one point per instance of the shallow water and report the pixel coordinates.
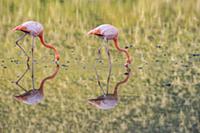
(162, 94)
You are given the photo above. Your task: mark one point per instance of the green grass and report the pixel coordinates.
(162, 95)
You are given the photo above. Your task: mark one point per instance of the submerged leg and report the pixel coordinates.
(99, 58)
(32, 54)
(110, 68)
(27, 62)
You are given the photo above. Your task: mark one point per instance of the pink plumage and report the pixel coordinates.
(107, 31)
(36, 29)
(32, 27)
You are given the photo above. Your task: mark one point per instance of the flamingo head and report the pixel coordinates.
(57, 58)
(21, 28)
(104, 102)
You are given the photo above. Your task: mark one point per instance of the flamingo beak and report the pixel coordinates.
(57, 57)
(57, 62)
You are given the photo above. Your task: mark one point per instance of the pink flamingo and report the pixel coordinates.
(109, 32)
(108, 101)
(34, 96)
(35, 29)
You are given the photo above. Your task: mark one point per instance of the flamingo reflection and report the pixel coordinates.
(34, 96)
(108, 101)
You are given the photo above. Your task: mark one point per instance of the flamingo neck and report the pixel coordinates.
(57, 55)
(48, 78)
(116, 42)
(122, 82)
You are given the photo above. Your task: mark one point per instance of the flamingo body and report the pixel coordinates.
(109, 32)
(32, 27)
(36, 29)
(104, 102)
(106, 31)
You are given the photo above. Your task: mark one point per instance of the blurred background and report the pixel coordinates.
(162, 95)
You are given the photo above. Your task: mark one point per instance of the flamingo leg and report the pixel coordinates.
(17, 43)
(32, 72)
(99, 55)
(110, 66)
(27, 63)
(97, 76)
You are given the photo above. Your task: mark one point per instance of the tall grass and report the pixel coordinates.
(163, 94)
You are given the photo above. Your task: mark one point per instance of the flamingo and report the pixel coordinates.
(34, 96)
(34, 29)
(109, 32)
(109, 101)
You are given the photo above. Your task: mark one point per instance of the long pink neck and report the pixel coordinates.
(57, 55)
(49, 77)
(122, 82)
(122, 50)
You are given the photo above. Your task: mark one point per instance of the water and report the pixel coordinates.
(162, 94)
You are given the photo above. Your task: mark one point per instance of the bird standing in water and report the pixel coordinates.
(34, 29)
(109, 32)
